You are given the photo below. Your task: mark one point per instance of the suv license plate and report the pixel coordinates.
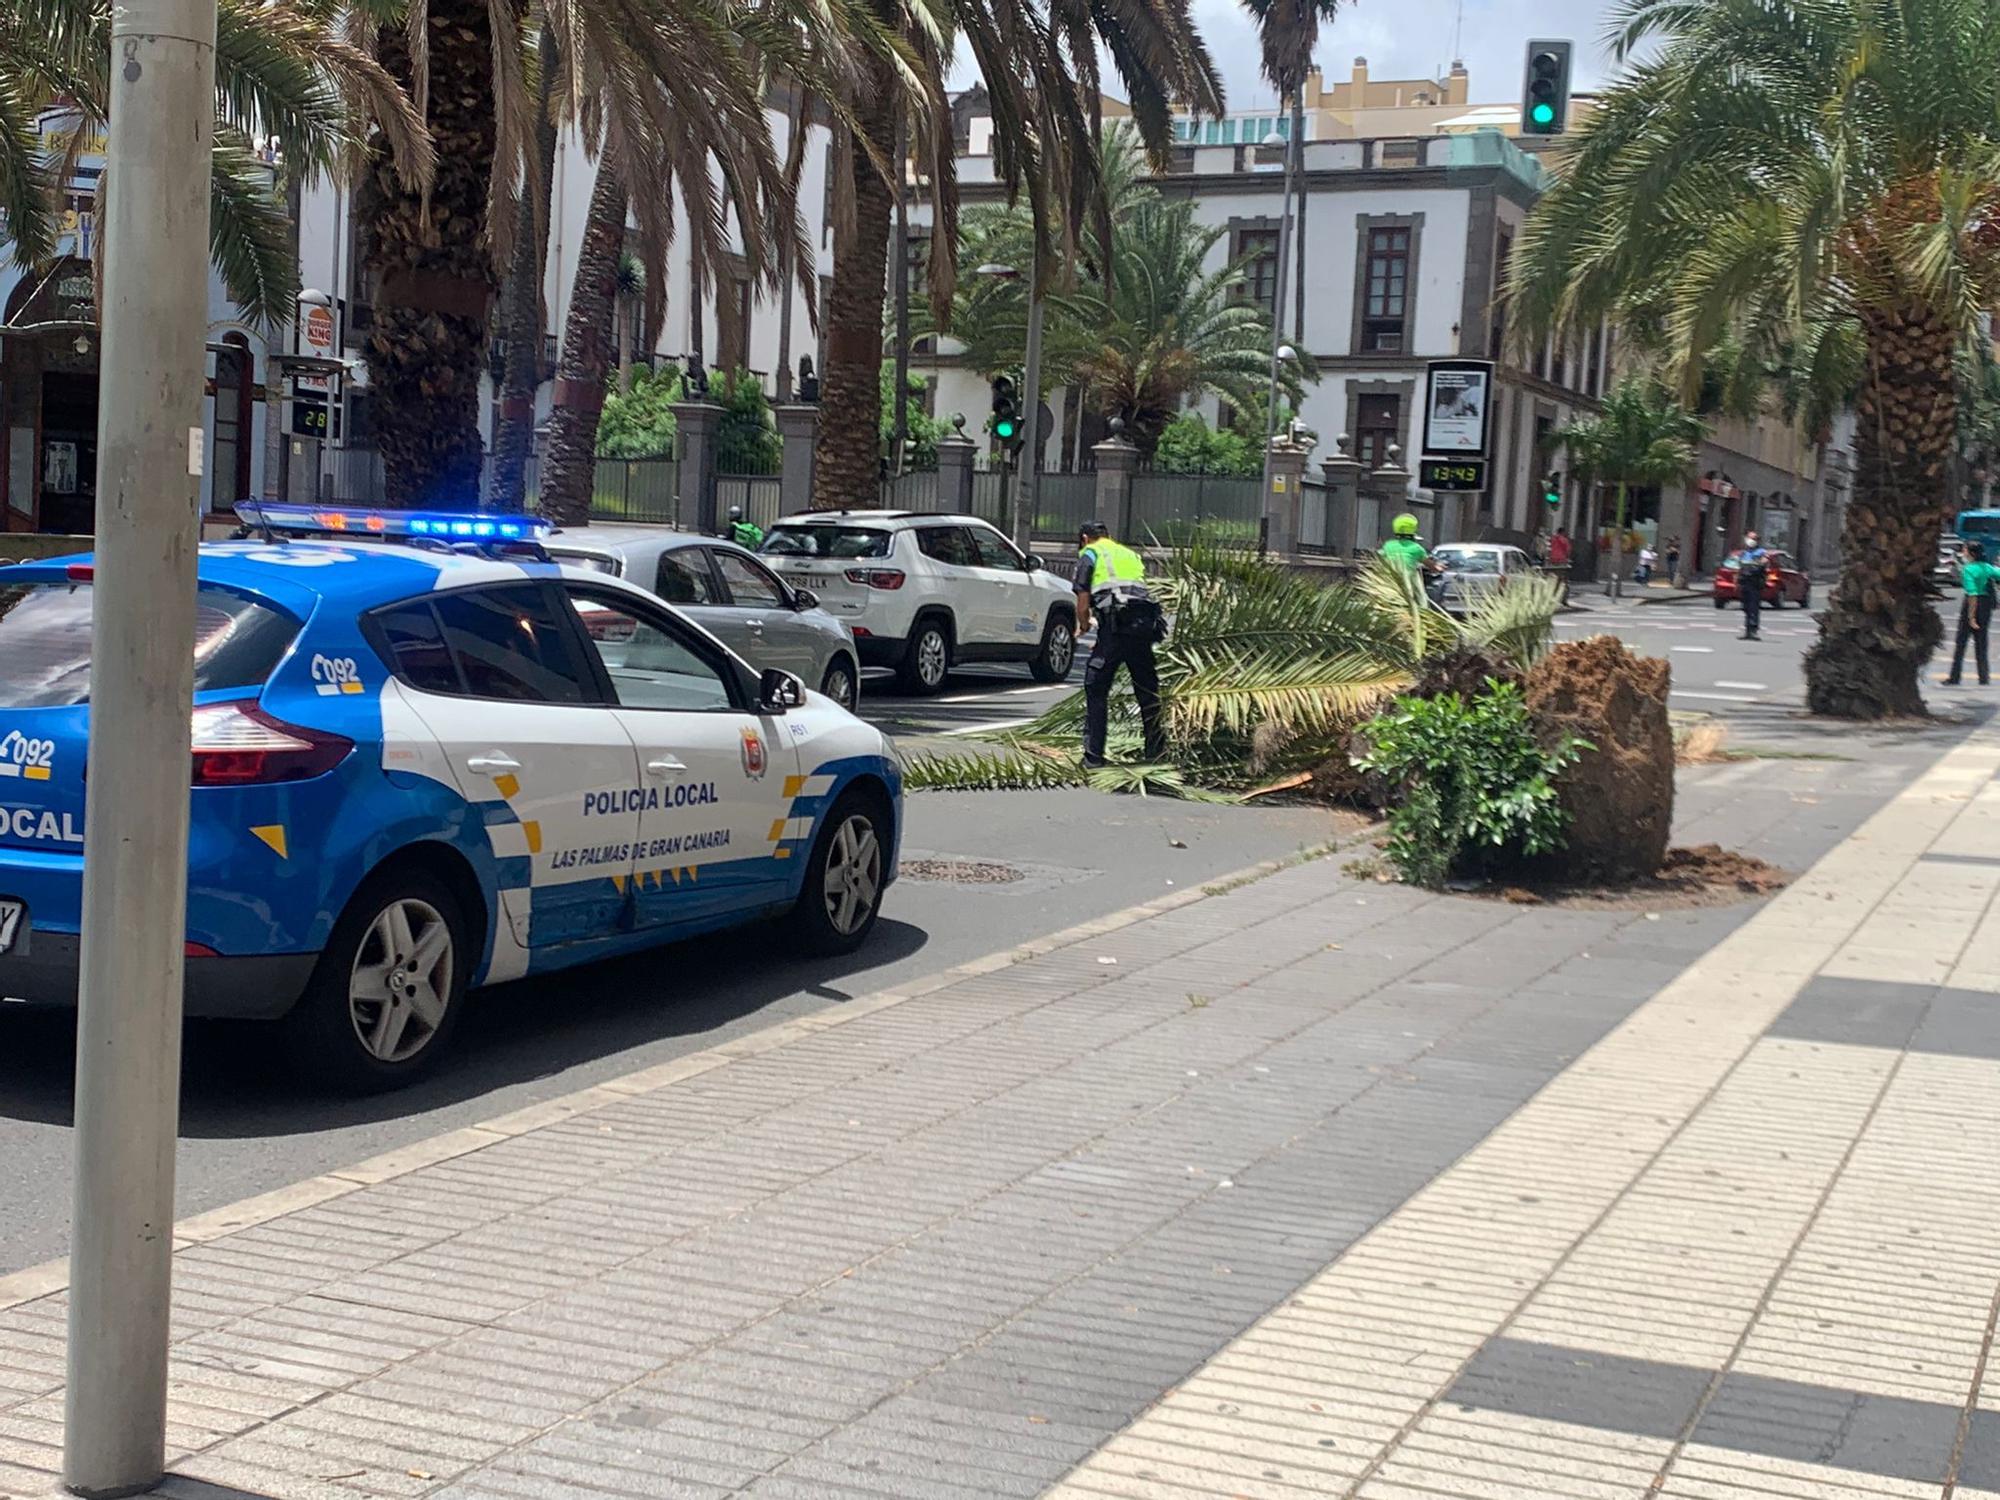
(12, 914)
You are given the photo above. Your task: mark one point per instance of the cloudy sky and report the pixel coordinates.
(1413, 39)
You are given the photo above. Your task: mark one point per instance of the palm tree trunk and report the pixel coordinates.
(1878, 628)
(427, 343)
(521, 311)
(1298, 144)
(623, 311)
(570, 468)
(901, 251)
(847, 451)
(795, 150)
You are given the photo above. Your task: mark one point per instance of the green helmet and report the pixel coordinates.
(1405, 525)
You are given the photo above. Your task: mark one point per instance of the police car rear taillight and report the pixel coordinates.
(236, 744)
(876, 578)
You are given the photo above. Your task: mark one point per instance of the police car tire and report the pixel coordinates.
(1058, 640)
(320, 1032)
(909, 676)
(812, 926)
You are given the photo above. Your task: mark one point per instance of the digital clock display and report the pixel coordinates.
(1452, 474)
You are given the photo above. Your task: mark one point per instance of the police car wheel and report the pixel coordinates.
(388, 988)
(1058, 651)
(838, 684)
(843, 890)
(927, 662)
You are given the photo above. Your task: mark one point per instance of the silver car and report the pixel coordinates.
(729, 593)
(1468, 571)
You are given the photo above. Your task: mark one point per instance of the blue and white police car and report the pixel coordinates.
(425, 759)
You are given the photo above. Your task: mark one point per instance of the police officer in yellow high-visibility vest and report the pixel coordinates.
(1111, 588)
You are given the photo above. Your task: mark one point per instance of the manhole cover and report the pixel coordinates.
(959, 871)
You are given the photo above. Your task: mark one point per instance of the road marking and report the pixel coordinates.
(1713, 697)
(1020, 692)
(985, 728)
(1704, 650)
(1748, 687)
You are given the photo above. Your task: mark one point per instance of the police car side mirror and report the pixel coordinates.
(778, 690)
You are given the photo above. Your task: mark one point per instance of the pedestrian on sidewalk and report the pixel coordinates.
(1647, 560)
(1975, 612)
(1111, 587)
(1559, 548)
(1673, 559)
(1753, 563)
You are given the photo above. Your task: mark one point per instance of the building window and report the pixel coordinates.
(1260, 272)
(1377, 424)
(1386, 298)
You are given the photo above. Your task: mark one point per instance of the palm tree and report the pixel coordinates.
(674, 94)
(1641, 438)
(1039, 62)
(1166, 329)
(283, 69)
(522, 316)
(1288, 31)
(1775, 168)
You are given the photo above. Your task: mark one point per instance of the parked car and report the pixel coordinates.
(1950, 556)
(1469, 570)
(425, 759)
(1784, 583)
(925, 593)
(724, 589)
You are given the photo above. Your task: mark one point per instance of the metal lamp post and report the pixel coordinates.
(1026, 488)
(1280, 350)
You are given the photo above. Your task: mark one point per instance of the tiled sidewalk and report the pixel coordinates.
(1748, 1245)
(1490, 1165)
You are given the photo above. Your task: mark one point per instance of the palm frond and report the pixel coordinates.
(1517, 622)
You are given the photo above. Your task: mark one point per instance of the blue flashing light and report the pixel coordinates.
(358, 521)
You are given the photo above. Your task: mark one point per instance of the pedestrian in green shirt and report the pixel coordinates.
(1978, 578)
(1403, 548)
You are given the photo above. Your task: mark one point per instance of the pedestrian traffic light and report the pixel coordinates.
(1552, 490)
(1545, 92)
(1006, 412)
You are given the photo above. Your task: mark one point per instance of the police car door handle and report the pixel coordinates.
(495, 764)
(666, 765)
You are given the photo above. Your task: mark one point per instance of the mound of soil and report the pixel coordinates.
(1620, 796)
(1706, 875)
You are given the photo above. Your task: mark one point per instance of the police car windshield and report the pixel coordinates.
(827, 541)
(45, 643)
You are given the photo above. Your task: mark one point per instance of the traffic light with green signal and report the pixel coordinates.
(1006, 423)
(1552, 490)
(1545, 92)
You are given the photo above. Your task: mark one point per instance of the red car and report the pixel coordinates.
(1783, 582)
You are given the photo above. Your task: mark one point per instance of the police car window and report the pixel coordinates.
(648, 666)
(415, 646)
(947, 544)
(749, 585)
(684, 578)
(808, 540)
(45, 642)
(509, 644)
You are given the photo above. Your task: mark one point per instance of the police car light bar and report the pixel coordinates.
(341, 520)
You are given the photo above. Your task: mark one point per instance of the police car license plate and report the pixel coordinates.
(11, 915)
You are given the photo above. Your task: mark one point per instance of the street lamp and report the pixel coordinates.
(1025, 489)
(1274, 514)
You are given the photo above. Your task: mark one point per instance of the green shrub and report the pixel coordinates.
(924, 429)
(639, 423)
(746, 437)
(1189, 445)
(1476, 791)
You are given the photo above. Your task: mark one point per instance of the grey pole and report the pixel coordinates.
(128, 1044)
(1277, 332)
(1031, 418)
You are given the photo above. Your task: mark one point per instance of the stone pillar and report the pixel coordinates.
(694, 481)
(1343, 498)
(275, 446)
(1285, 472)
(798, 427)
(954, 483)
(1117, 461)
(1390, 488)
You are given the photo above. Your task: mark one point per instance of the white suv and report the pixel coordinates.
(924, 592)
